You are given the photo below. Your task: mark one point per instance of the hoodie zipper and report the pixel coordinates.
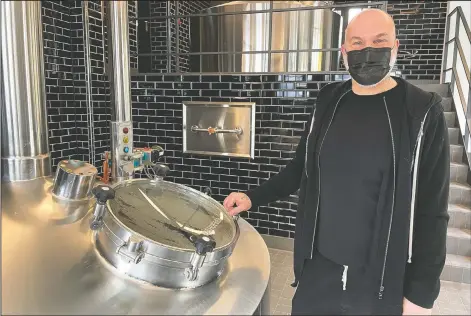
(416, 153)
(318, 165)
(381, 288)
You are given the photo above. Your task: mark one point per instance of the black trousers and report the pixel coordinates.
(321, 290)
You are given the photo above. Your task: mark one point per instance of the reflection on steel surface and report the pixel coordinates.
(74, 179)
(220, 138)
(296, 31)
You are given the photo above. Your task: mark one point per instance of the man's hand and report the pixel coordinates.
(409, 308)
(241, 201)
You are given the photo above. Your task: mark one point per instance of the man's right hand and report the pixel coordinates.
(237, 202)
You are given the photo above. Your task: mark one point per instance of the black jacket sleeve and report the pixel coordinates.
(422, 278)
(286, 181)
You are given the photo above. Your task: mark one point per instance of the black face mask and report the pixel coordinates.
(369, 65)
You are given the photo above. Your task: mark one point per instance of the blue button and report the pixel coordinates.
(126, 149)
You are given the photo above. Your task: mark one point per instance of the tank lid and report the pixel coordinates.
(77, 167)
(171, 214)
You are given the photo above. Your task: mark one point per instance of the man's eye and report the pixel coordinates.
(380, 41)
(356, 43)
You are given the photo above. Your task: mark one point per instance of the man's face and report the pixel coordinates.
(372, 28)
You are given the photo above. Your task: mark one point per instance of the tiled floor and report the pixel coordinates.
(454, 298)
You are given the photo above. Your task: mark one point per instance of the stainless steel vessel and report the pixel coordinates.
(51, 265)
(245, 39)
(171, 235)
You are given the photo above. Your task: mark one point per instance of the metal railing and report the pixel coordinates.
(457, 72)
(173, 19)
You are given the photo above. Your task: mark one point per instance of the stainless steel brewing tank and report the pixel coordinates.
(51, 265)
(158, 227)
(294, 30)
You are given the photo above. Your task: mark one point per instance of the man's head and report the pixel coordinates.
(370, 37)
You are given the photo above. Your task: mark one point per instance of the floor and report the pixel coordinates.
(454, 298)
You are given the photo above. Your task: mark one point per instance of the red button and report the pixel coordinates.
(125, 130)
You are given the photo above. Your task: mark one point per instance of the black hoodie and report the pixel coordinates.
(420, 138)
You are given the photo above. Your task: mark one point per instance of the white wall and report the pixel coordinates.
(466, 45)
(466, 6)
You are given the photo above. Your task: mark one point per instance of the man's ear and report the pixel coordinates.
(344, 55)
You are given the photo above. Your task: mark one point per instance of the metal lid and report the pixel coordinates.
(170, 214)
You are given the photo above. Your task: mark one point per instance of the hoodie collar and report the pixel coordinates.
(418, 101)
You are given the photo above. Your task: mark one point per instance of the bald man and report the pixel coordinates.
(372, 171)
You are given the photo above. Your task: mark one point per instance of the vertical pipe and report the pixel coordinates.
(120, 75)
(88, 80)
(169, 38)
(120, 81)
(270, 35)
(25, 148)
(102, 9)
(177, 37)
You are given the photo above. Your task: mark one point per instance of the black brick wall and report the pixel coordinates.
(420, 28)
(65, 117)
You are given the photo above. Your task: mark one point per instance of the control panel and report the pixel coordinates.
(124, 138)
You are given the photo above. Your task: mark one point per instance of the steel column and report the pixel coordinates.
(25, 147)
(120, 80)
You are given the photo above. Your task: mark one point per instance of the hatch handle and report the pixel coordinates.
(102, 194)
(216, 130)
(203, 245)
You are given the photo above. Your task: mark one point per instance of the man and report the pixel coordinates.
(373, 173)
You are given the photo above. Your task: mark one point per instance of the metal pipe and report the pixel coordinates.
(270, 36)
(25, 147)
(120, 75)
(102, 9)
(177, 38)
(274, 51)
(120, 81)
(169, 38)
(88, 76)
